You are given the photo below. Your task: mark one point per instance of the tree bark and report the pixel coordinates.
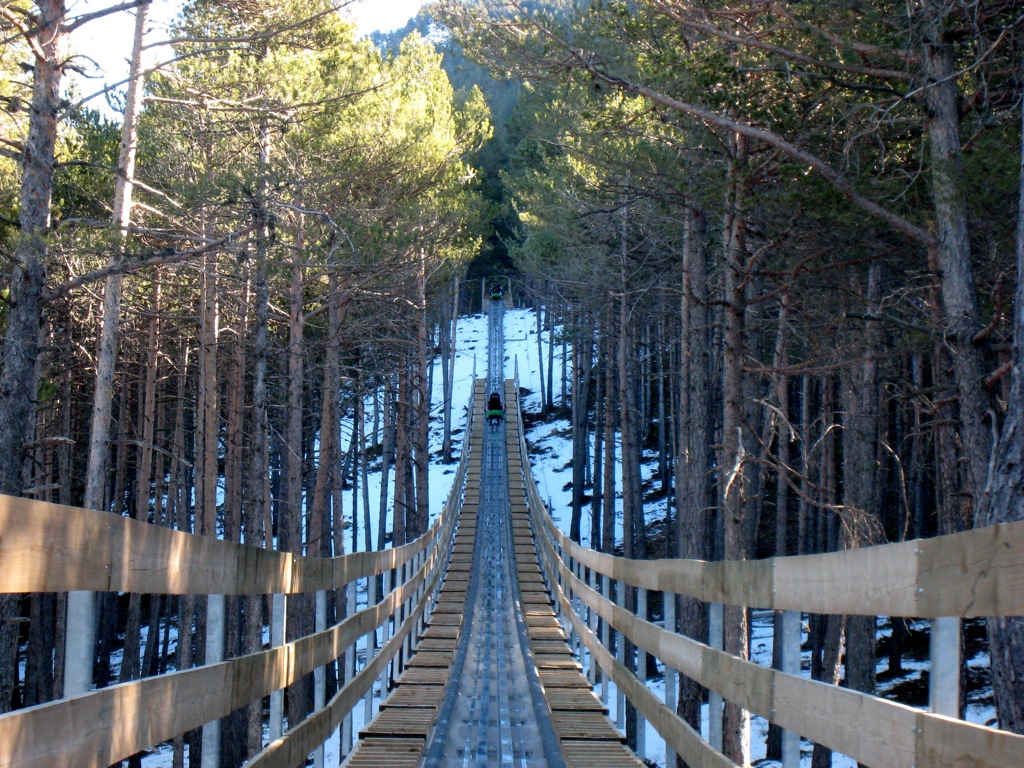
(780, 390)
(693, 519)
(290, 528)
(1004, 503)
(736, 721)
(608, 470)
(330, 439)
(387, 458)
(28, 276)
(448, 371)
(861, 479)
(421, 407)
(952, 247)
(600, 405)
(402, 509)
(582, 363)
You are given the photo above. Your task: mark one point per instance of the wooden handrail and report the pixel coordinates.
(833, 716)
(974, 574)
(53, 548)
(111, 724)
(293, 748)
(48, 547)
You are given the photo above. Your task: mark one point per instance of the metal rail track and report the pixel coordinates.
(493, 681)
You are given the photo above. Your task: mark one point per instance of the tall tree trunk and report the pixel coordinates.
(634, 539)
(448, 377)
(421, 407)
(402, 509)
(664, 460)
(364, 472)
(600, 405)
(330, 438)
(582, 354)
(256, 489)
(290, 526)
(387, 458)
(860, 476)
(693, 520)
(608, 470)
(781, 429)
(736, 721)
(1004, 503)
(953, 247)
(131, 666)
(540, 357)
(828, 632)
(81, 616)
(549, 404)
(28, 279)
(209, 408)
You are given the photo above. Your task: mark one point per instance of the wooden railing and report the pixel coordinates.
(51, 548)
(973, 574)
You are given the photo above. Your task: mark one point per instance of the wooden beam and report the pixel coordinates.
(53, 548)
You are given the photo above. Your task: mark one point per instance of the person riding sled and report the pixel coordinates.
(495, 410)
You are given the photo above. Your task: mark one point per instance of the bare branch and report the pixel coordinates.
(125, 267)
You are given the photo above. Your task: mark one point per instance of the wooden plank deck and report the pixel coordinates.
(587, 737)
(397, 736)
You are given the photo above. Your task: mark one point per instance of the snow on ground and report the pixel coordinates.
(551, 454)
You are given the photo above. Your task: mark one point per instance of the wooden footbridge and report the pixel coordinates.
(485, 644)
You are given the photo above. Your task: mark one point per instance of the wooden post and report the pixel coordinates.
(669, 612)
(944, 680)
(592, 623)
(620, 656)
(396, 621)
(556, 555)
(791, 666)
(716, 636)
(641, 673)
(350, 672)
(385, 635)
(214, 655)
(407, 572)
(606, 638)
(574, 640)
(278, 613)
(319, 674)
(371, 651)
(421, 562)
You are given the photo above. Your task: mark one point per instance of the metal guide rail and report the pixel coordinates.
(493, 681)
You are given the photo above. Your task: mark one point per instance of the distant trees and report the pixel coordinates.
(794, 203)
(299, 201)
